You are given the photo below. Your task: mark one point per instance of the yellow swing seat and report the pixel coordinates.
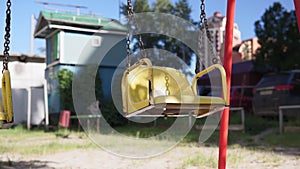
(6, 114)
(162, 91)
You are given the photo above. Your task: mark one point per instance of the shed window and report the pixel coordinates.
(53, 48)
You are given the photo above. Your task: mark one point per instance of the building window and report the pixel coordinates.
(53, 48)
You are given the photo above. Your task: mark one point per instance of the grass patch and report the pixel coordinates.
(235, 117)
(35, 142)
(273, 160)
(146, 131)
(284, 139)
(41, 149)
(293, 122)
(21, 141)
(140, 131)
(255, 125)
(200, 160)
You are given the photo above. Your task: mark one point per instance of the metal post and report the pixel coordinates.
(280, 121)
(28, 108)
(120, 10)
(297, 8)
(98, 124)
(243, 119)
(242, 111)
(46, 104)
(205, 54)
(227, 66)
(78, 11)
(281, 126)
(190, 120)
(32, 35)
(88, 124)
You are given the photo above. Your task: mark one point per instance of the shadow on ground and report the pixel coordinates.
(24, 164)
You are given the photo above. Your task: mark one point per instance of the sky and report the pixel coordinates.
(247, 12)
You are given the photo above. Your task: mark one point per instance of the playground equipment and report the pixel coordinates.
(156, 91)
(227, 67)
(6, 114)
(177, 99)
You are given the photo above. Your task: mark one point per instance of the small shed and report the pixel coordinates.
(76, 40)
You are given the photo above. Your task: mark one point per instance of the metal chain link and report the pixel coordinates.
(203, 20)
(141, 45)
(209, 37)
(7, 36)
(198, 54)
(203, 26)
(140, 42)
(129, 14)
(167, 85)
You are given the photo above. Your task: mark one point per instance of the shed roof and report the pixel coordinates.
(51, 21)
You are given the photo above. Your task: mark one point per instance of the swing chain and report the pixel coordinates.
(141, 45)
(167, 85)
(140, 42)
(130, 14)
(7, 36)
(203, 20)
(203, 26)
(209, 37)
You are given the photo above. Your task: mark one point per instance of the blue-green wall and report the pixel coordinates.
(76, 50)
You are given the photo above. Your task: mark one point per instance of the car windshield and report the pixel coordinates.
(274, 80)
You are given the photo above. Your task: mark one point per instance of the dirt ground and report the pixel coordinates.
(178, 157)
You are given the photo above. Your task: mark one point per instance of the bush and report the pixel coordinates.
(111, 114)
(65, 77)
(108, 110)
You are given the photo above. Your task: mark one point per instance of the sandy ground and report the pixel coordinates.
(178, 157)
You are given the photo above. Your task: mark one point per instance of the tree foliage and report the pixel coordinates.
(181, 9)
(279, 39)
(65, 77)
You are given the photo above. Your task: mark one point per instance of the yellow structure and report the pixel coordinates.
(162, 91)
(6, 115)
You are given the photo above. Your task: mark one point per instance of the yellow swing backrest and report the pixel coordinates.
(136, 83)
(169, 81)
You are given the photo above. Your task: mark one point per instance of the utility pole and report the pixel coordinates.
(32, 35)
(119, 9)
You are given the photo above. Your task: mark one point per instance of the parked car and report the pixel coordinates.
(240, 96)
(275, 90)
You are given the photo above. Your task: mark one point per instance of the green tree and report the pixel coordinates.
(279, 39)
(163, 6)
(108, 109)
(181, 9)
(65, 77)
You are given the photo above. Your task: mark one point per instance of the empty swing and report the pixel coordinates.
(155, 91)
(6, 113)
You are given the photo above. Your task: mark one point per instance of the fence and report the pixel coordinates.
(281, 127)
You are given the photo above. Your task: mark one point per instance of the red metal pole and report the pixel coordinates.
(227, 66)
(297, 7)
